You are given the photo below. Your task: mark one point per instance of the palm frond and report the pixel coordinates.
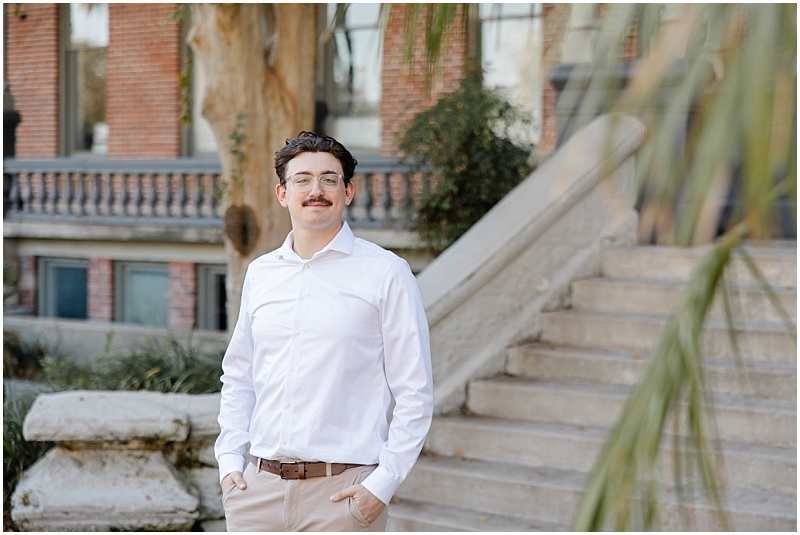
(624, 476)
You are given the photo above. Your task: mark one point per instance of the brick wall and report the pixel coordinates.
(182, 295)
(100, 291)
(142, 81)
(404, 93)
(555, 18)
(32, 72)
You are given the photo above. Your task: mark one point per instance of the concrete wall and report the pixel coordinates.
(489, 289)
(85, 341)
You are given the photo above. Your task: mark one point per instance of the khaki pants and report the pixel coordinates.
(270, 503)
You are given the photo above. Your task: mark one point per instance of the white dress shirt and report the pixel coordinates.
(320, 348)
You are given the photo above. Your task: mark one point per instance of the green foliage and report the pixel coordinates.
(156, 367)
(237, 137)
(21, 359)
(185, 85)
(18, 453)
(463, 145)
(439, 20)
(10, 278)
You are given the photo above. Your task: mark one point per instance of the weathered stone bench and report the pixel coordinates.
(123, 461)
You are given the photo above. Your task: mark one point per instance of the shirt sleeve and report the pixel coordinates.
(238, 395)
(407, 364)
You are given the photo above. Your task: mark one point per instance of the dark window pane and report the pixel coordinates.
(221, 303)
(70, 296)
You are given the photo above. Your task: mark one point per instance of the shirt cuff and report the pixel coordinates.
(381, 483)
(230, 462)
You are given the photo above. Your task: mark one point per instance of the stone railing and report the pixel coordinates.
(179, 192)
(123, 461)
(489, 289)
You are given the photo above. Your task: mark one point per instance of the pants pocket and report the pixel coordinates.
(359, 476)
(355, 512)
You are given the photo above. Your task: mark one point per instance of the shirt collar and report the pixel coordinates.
(342, 242)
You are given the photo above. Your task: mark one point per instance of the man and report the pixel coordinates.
(331, 329)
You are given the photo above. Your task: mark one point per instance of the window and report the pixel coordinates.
(511, 56)
(84, 55)
(141, 293)
(212, 298)
(62, 288)
(353, 78)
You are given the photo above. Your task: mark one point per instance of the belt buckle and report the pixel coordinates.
(300, 472)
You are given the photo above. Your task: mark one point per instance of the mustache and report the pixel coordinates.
(316, 200)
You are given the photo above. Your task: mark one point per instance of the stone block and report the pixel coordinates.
(206, 482)
(103, 490)
(202, 410)
(105, 416)
(214, 525)
(205, 454)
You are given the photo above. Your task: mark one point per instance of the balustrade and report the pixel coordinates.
(181, 191)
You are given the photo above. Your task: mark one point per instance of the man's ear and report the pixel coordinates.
(280, 192)
(349, 193)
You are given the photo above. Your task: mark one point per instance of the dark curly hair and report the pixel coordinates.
(311, 142)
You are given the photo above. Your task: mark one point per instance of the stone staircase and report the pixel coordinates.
(519, 456)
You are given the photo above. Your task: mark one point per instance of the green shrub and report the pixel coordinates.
(18, 453)
(21, 359)
(463, 144)
(157, 367)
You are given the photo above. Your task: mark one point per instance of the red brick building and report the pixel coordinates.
(104, 84)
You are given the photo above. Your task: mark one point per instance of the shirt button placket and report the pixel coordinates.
(290, 382)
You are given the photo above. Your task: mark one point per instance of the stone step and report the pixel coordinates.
(777, 261)
(757, 340)
(576, 447)
(762, 421)
(619, 366)
(411, 515)
(549, 494)
(656, 297)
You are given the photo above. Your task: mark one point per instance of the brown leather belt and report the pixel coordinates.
(300, 469)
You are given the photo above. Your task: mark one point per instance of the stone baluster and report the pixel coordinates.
(96, 181)
(55, 195)
(108, 197)
(182, 195)
(68, 195)
(368, 201)
(408, 201)
(81, 193)
(13, 194)
(167, 194)
(123, 196)
(386, 198)
(197, 197)
(215, 194)
(27, 194)
(152, 196)
(137, 195)
(41, 198)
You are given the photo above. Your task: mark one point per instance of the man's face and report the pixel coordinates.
(315, 210)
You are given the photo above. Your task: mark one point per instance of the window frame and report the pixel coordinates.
(121, 269)
(207, 302)
(46, 283)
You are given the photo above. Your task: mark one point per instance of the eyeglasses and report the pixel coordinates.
(328, 182)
